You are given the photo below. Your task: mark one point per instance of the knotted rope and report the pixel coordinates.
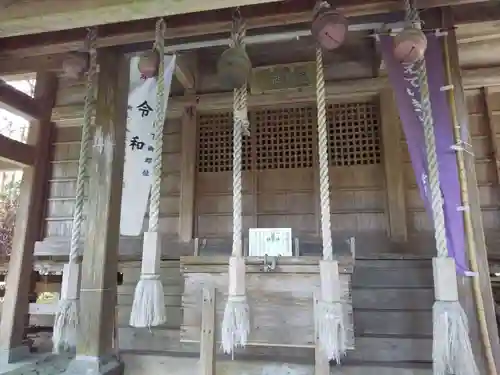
(240, 119)
(154, 205)
(436, 198)
(88, 110)
(324, 176)
(452, 351)
(235, 326)
(67, 317)
(329, 315)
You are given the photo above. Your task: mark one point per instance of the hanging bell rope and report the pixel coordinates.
(67, 318)
(329, 317)
(236, 322)
(452, 350)
(148, 308)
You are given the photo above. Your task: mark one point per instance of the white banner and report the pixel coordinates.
(138, 168)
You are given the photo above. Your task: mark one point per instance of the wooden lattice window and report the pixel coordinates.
(284, 137)
(215, 147)
(354, 134)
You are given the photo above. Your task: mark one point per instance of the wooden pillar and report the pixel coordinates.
(492, 120)
(207, 340)
(95, 354)
(28, 226)
(475, 211)
(393, 165)
(188, 174)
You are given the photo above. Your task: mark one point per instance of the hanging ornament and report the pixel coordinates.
(75, 65)
(410, 45)
(329, 27)
(148, 63)
(234, 67)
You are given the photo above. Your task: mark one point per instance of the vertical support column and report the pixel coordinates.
(95, 354)
(28, 226)
(188, 174)
(207, 340)
(487, 94)
(474, 207)
(393, 165)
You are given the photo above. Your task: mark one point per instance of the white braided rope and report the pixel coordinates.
(324, 177)
(154, 204)
(436, 198)
(76, 229)
(240, 120)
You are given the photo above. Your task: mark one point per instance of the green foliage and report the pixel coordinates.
(8, 205)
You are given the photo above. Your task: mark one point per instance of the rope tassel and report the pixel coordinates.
(451, 351)
(236, 322)
(148, 308)
(67, 317)
(329, 316)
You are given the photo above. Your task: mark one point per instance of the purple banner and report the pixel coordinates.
(405, 84)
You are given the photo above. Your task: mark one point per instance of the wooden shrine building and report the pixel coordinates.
(380, 228)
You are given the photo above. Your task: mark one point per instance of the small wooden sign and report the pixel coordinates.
(282, 77)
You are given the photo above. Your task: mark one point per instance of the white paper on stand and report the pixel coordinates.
(139, 146)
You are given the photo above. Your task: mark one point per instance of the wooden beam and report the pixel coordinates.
(393, 164)
(17, 152)
(100, 256)
(335, 90)
(266, 13)
(16, 66)
(28, 227)
(481, 250)
(18, 102)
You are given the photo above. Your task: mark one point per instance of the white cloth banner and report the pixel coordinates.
(139, 146)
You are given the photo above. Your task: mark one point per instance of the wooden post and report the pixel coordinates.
(207, 340)
(188, 174)
(321, 363)
(95, 354)
(477, 229)
(393, 164)
(28, 227)
(493, 128)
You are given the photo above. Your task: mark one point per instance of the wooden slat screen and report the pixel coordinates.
(283, 138)
(354, 134)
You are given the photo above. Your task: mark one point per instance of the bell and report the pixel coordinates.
(75, 65)
(234, 67)
(148, 64)
(329, 28)
(410, 46)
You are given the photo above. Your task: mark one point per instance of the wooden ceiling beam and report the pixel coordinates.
(263, 13)
(16, 152)
(18, 102)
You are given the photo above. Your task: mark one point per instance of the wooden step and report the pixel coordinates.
(372, 348)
